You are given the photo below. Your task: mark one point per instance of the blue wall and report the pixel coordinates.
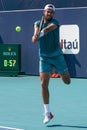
(34, 4)
(9, 20)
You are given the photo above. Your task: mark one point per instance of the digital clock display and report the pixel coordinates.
(9, 63)
(10, 57)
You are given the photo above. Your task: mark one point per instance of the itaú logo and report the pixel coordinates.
(69, 38)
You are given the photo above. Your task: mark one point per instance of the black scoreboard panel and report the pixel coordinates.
(10, 58)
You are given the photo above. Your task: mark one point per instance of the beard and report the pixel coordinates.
(48, 18)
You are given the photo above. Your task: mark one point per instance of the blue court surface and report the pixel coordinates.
(21, 106)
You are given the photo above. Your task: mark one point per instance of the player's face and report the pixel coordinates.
(48, 14)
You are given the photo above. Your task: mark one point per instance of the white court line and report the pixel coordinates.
(10, 128)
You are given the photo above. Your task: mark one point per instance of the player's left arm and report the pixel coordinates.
(49, 28)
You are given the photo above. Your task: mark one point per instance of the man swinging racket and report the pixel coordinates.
(50, 53)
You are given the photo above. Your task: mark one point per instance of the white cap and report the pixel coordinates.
(49, 6)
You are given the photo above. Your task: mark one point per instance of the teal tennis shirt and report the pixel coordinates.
(49, 43)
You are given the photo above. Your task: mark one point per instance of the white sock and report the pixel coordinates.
(46, 108)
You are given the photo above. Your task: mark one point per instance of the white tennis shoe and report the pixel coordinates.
(48, 117)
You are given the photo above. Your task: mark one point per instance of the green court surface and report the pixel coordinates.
(21, 104)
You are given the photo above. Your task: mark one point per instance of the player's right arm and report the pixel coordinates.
(35, 35)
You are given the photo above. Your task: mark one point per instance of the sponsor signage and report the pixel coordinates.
(69, 37)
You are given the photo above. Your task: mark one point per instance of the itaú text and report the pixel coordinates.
(70, 44)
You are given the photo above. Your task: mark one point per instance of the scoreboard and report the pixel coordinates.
(10, 59)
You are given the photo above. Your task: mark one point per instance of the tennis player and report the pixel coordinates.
(50, 55)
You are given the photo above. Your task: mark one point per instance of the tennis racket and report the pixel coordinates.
(41, 23)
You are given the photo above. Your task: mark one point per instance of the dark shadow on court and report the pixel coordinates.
(68, 126)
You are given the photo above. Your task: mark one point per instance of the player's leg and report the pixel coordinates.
(44, 77)
(66, 78)
(61, 67)
(45, 69)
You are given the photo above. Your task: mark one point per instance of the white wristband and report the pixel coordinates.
(41, 34)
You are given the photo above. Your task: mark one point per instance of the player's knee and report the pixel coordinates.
(44, 80)
(68, 81)
(44, 83)
(66, 78)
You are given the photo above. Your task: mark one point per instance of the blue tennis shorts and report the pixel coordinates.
(46, 64)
